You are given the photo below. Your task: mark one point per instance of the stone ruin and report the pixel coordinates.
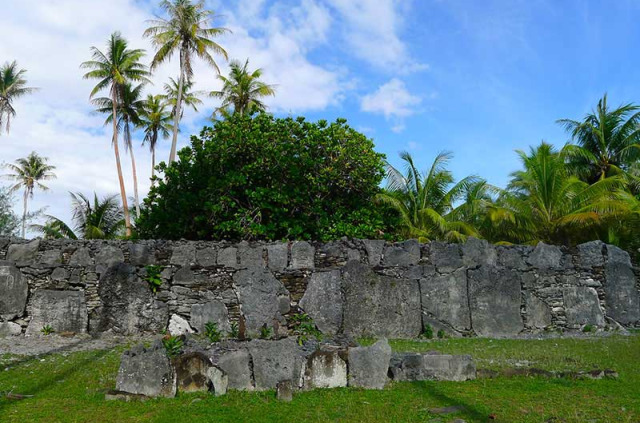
(348, 287)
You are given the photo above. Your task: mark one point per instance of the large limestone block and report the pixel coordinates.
(402, 254)
(432, 366)
(212, 311)
(183, 255)
(325, 369)
(444, 297)
(237, 366)
(64, 311)
(323, 301)
(261, 296)
(374, 248)
(376, 305)
(368, 366)
(278, 256)
(537, 311)
(276, 361)
(590, 254)
(477, 252)
(9, 329)
(494, 298)
(302, 255)
(14, 290)
(446, 257)
(582, 307)
(621, 293)
(192, 372)
(147, 371)
(109, 255)
(25, 253)
(545, 257)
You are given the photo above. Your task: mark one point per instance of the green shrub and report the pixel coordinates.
(270, 178)
(173, 345)
(234, 333)
(211, 331)
(153, 277)
(266, 332)
(47, 330)
(428, 332)
(442, 334)
(589, 328)
(304, 328)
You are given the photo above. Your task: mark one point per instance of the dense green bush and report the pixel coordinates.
(268, 178)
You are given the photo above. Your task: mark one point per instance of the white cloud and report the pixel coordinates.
(392, 99)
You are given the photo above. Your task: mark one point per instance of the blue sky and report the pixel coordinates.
(480, 79)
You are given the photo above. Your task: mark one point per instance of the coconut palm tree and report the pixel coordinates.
(129, 108)
(113, 70)
(242, 90)
(93, 219)
(425, 201)
(155, 122)
(27, 173)
(189, 98)
(12, 86)
(607, 141)
(187, 32)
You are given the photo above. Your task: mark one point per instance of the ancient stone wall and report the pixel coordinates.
(357, 287)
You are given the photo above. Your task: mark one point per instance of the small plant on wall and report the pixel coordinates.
(173, 345)
(47, 330)
(265, 332)
(153, 277)
(234, 333)
(212, 332)
(305, 328)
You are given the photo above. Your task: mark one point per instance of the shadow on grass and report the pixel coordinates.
(469, 411)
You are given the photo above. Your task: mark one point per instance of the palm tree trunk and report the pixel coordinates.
(135, 181)
(176, 118)
(153, 165)
(24, 213)
(123, 194)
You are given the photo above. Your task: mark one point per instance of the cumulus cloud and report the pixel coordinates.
(391, 99)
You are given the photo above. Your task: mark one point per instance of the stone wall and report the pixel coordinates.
(357, 287)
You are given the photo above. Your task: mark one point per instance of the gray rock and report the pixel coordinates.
(250, 257)
(323, 301)
(622, 298)
(114, 395)
(9, 329)
(511, 257)
(259, 293)
(477, 252)
(368, 366)
(178, 325)
(446, 257)
(430, 366)
(81, 258)
(278, 256)
(284, 391)
(228, 257)
(147, 372)
(582, 307)
(617, 255)
(206, 257)
(14, 289)
(402, 254)
(325, 369)
(59, 274)
(590, 254)
(51, 258)
(184, 277)
(538, 312)
(376, 305)
(444, 297)
(374, 249)
(213, 311)
(184, 255)
(276, 361)
(494, 298)
(128, 305)
(218, 381)
(302, 255)
(192, 372)
(236, 365)
(64, 311)
(109, 255)
(545, 257)
(141, 255)
(25, 253)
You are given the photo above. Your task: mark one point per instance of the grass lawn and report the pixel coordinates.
(71, 388)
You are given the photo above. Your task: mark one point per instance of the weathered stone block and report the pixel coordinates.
(228, 257)
(9, 329)
(218, 381)
(109, 255)
(14, 289)
(622, 298)
(250, 257)
(368, 366)
(178, 325)
(511, 257)
(278, 256)
(236, 365)
(141, 255)
(147, 372)
(432, 366)
(213, 311)
(378, 305)
(302, 255)
(51, 258)
(284, 391)
(478, 252)
(374, 248)
(494, 297)
(537, 311)
(192, 372)
(25, 253)
(591, 254)
(81, 258)
(445, 298)
(276, 361)
(206, 257)
(323, 301)
(446, 257)
(325, 369)
(402, 254)
(545, 257)
(64, 311)
(582, 307)
(184, 255)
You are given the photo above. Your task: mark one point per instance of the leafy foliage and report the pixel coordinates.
(268, 178)
(12, 86)
(234, 333)
(212, 332)
(304, 328)
(47, 330)
(266, 332)
(173, 345)
(9, 221)
(153, 277)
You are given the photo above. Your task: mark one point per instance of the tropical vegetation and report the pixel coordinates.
(13, 85)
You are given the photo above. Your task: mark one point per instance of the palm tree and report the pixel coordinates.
(189, 98)
(155, 122)
(242, 90)
(606, 141)
(93, 219)
(12, 86)
(425, 201)
(113, 70)
(545, 202)
(27, 173)
(185, 31)
(128, 113)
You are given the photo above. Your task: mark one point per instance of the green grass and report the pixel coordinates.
(71, 388)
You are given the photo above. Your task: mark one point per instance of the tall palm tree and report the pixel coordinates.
(425, 201)
(155, 122)
(93, 219)
(189, 98)
(242, 90)
(547, 203)
(113, 70)
(187, 32)
(27, 173)
(129, 108)
(13, 85)
(607, 141)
